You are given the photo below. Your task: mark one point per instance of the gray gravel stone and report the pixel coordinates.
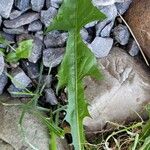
(0, 21)
(121, 34)
(123, 7)
(39, 34)
(85, 35)
(50, 97)
(106, 2)
(19, 30)
(111, 13)
(100, 26)
(53, 3)
(20, 79)
(5, 8)
(48, 15)
(22, 20)
(35, 26)
(52, 57)
(3, 82)
(55, 39)
(37, 5)
(9, 37)
(133, 48)
(36, 51)
(15, 13)
(107, 30)
(2, 63)
(91, 24)
(31, 69)
(56, 3)
(22, 4)
(48, 3)
(101, 46)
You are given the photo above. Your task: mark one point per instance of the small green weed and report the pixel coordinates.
(23, 50)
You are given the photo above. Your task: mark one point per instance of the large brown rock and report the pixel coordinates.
(138, 18)
(123, 92)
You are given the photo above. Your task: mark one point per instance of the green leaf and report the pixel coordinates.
(145, 131)
(146, 145)
(146, 128)
(12, 57)
(2, 40)
(78, 62)
(24, 49)
(2, 51)
(136, 141)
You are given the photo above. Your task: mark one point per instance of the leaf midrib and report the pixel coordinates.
(76, 76)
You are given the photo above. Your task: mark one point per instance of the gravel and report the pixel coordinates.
(20, 79)
(36, 51)
(106, 2)
(91, 24)
(107, 30)
(52, 57)
(100, 26)
(15, 13)
(110, 11)
(2, 63)
(39, 34)
(5, 8)
(3, 82)
(123, 7)
(37, 5)
(22, 20)
(53, 3)
(133, 48)
(55, 39)
(101, 46)
(22, 4)
(0, 21)
(121, 34)
(85, 35)
(19, 30)
(111, 14)
(56, 3)
(48, 15)
(35, 26)
(31, 69)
